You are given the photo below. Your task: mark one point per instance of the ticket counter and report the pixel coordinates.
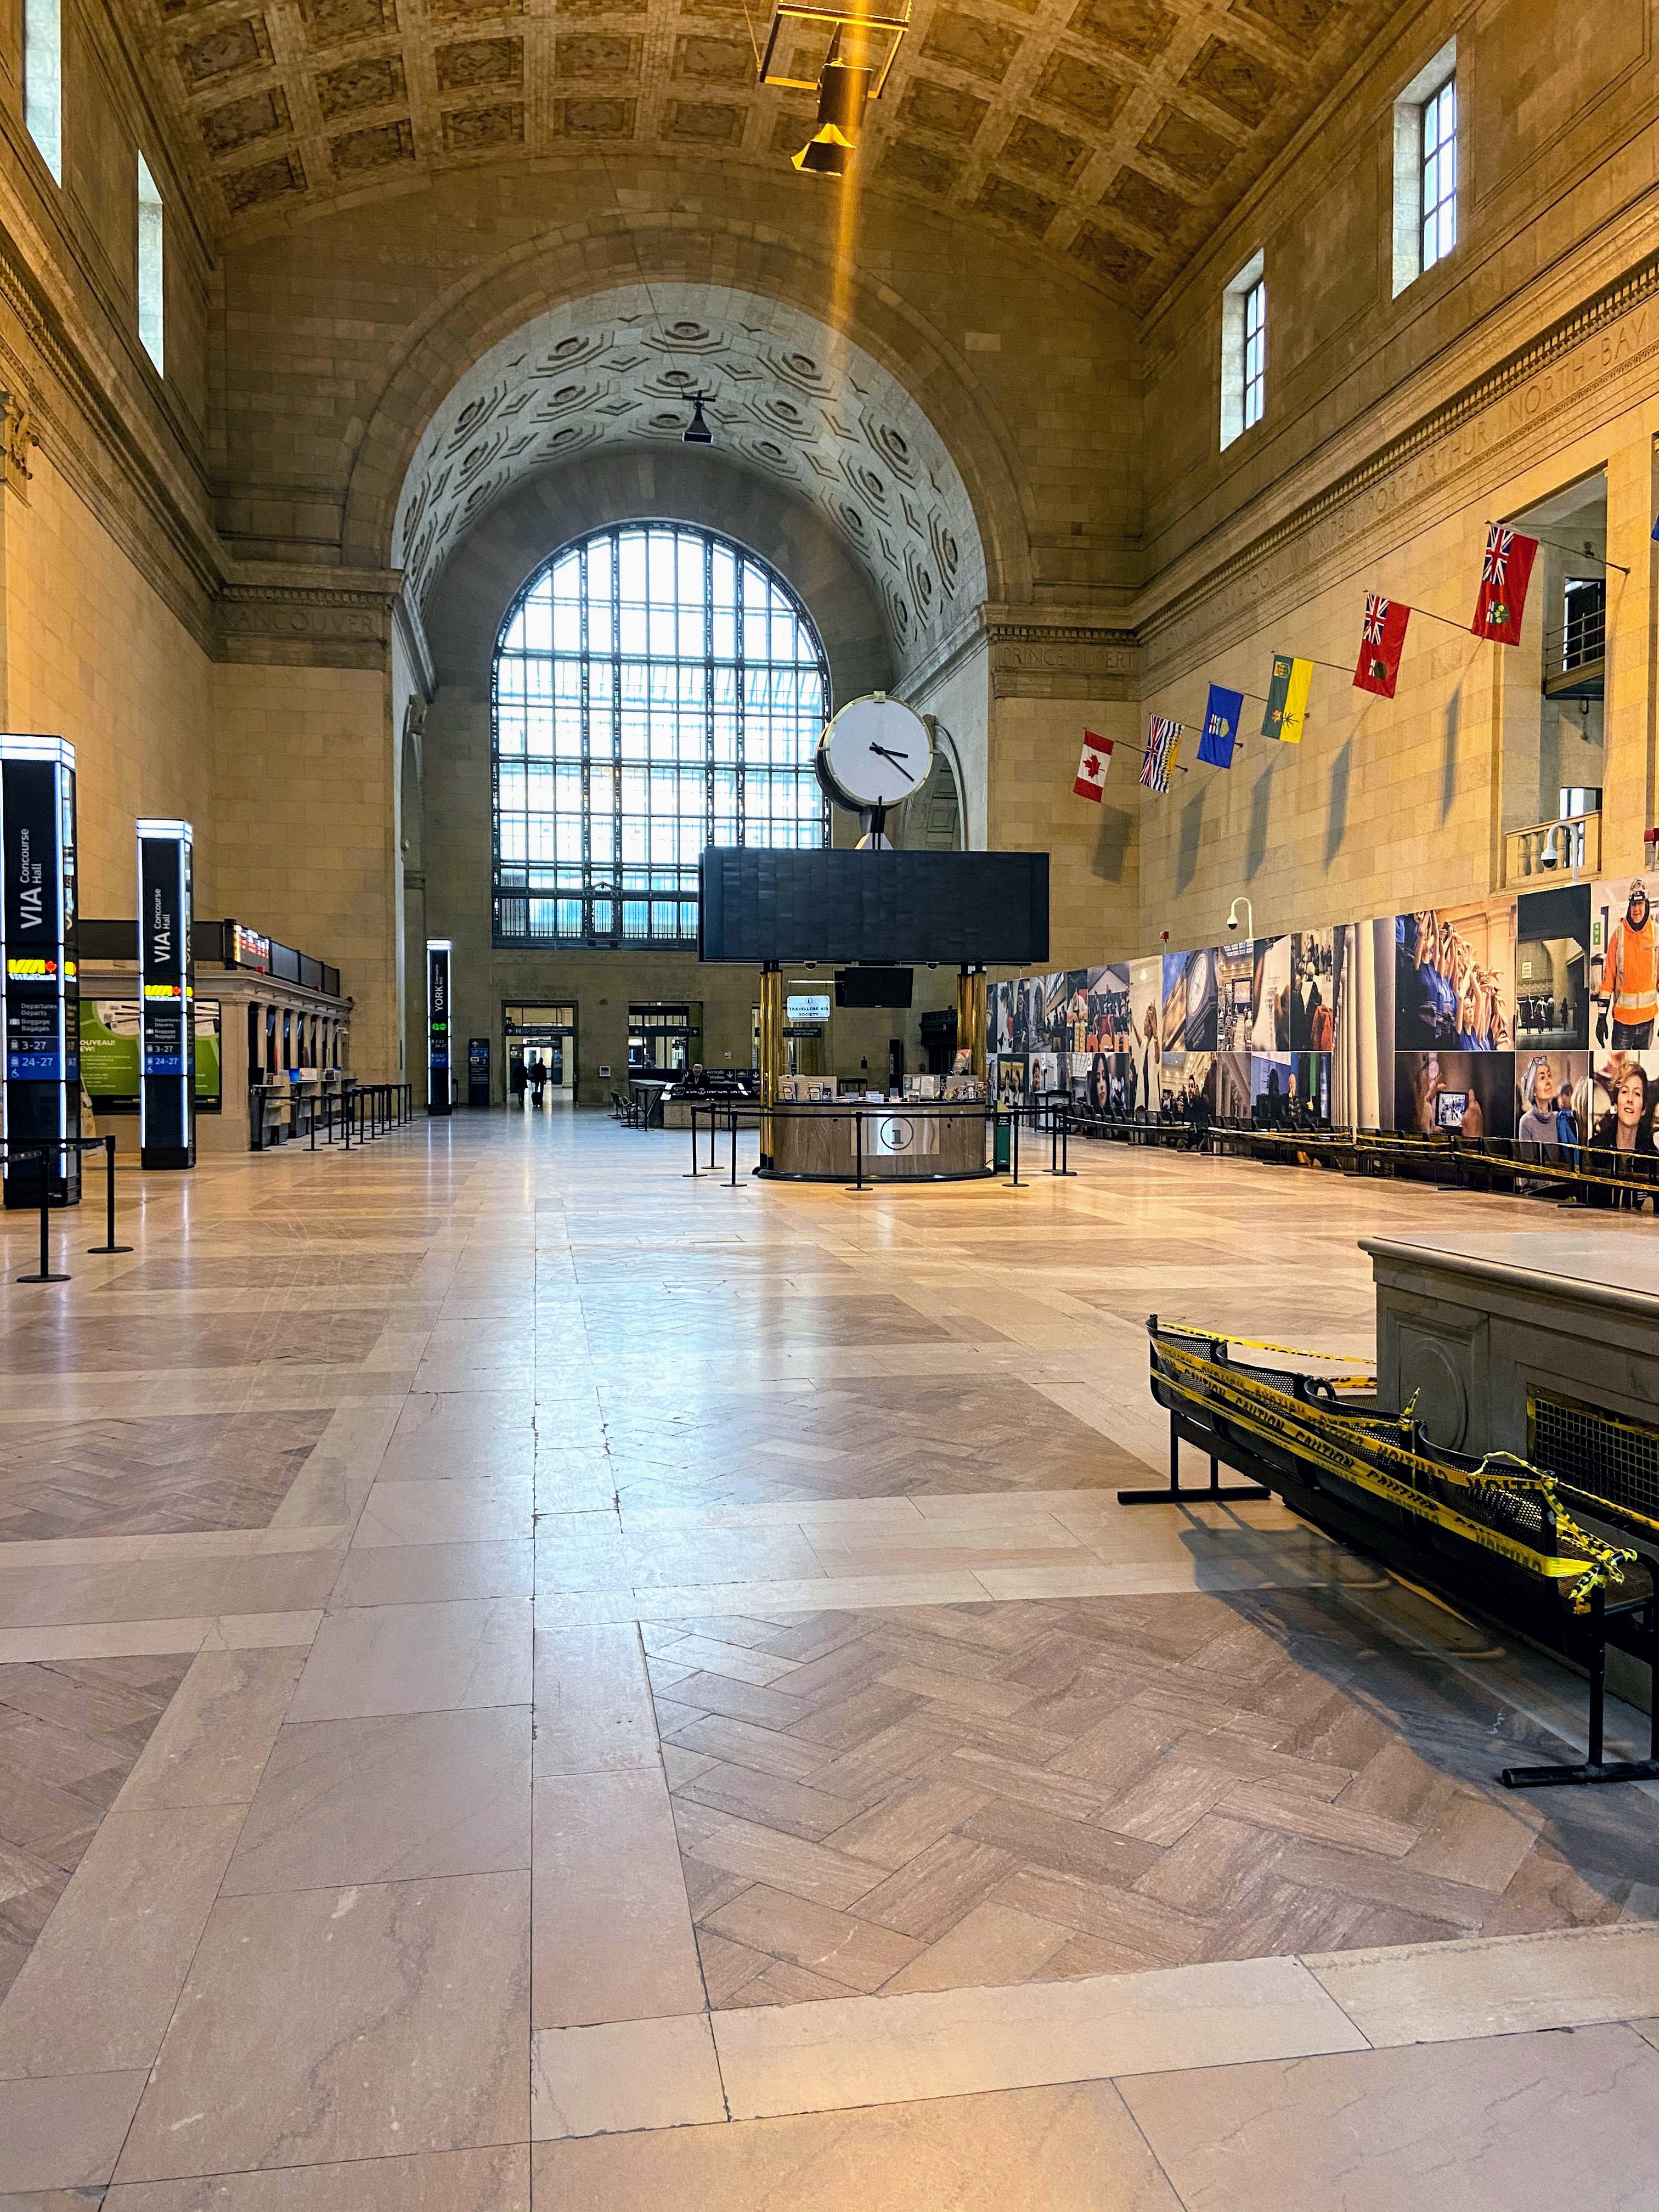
(900, 1141)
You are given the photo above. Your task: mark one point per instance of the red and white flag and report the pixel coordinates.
(1378, 667)
(1091, 769)
(1503, 575)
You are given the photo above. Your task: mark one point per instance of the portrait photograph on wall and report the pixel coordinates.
(1313, 991)
(1145, 1019)
(1553, 968)
(1235, 994)
(1310, 1088)
(1454, 978)
(1623, 967)
(1108, 1009)
(1270, 1023)
(1270, 1088)
(1232, 1086)
(1555, 1104)
(1621, 1101)
(1189, 1011)
(1468, 1094)
(1042, 1073)
(1010, 1080)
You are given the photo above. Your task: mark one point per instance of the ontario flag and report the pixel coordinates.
(1378, 667)
(1091, 769)
(1503, 576)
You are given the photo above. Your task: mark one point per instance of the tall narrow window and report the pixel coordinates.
(657, 690)
(43, 81)
(1256, 351)
(151, 314)
(1425, 168)
(1243, 350)
(1440, 174)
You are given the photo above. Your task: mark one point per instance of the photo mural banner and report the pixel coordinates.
(1534, 1014)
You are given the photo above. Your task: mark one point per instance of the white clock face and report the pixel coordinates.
(877, 751)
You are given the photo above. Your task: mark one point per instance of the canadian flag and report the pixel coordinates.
(1091, 769)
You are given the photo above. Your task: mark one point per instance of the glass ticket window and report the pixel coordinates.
(664, 1039)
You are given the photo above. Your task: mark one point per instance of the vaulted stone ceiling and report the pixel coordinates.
(811, 412)
(1116, 132)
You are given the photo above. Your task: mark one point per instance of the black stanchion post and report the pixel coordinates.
(858, 1147)
(693, 1139)
(109, 1244)
(734, 1148)
(1013, 1145)
(45, 1275)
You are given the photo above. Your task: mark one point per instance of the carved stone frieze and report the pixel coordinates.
(1060, 659)
(323, 618)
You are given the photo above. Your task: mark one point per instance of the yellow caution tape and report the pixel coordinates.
(1327, 1439)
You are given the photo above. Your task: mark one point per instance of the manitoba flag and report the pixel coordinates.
(1091, 769)
(1378, 667)
(1503, 575)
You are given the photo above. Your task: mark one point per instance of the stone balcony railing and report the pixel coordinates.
(1562, 851)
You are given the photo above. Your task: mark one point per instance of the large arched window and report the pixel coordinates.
(656, 689)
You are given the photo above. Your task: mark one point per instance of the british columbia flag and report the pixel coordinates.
(1163, 742)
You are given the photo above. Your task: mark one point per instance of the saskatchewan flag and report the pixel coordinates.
(1287, 699)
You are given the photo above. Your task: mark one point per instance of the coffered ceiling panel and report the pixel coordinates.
(1115, 133)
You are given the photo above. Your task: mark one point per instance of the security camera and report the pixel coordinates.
(1231, 923)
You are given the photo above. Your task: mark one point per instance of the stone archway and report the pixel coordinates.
(803, 410)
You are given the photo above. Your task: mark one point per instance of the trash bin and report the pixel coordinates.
(1004, 1142)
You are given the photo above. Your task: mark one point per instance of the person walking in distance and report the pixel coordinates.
(1630, 976)
(537, 1081)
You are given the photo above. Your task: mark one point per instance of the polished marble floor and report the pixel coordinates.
(526, 1677)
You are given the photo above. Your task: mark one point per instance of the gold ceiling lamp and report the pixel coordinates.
(850, 52)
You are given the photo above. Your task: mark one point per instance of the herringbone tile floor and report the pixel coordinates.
(969, 1794)
(70, 1733)
(879, 1437)
(166, 1473)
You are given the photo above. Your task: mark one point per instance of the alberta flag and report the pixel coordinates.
(1091, 769)
(1503, 576)
(1384, 635)
(1163, 742)
(1222, 712)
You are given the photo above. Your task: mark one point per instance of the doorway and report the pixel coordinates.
(541, 1043)
(663, 1039)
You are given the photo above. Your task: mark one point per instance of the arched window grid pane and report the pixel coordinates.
(656, 689)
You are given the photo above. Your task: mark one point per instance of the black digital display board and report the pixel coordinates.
(438, 1094)
(167, 990)
(759, 903)
(41, 1093)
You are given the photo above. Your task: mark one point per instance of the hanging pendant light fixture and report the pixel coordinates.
(696, 431)
(842, 90)
(851, 50)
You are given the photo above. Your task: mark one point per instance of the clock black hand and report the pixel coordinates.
(899, 760)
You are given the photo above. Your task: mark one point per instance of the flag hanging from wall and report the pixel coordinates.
(1163, 742)
(1503, 576)
(1222, 712)
(1091, 769)
(1380, 645)
(1287, 698)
